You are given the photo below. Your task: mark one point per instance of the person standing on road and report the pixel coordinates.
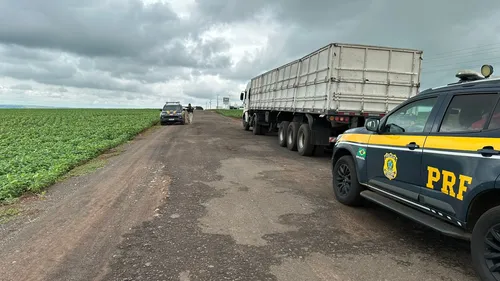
(189, 112)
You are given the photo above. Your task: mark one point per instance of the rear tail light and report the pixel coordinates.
(341, 118)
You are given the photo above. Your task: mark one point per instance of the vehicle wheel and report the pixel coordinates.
(304, 145)
(246, 125)
(257, 129)
(291, 136)
(485, 245)
(163, 124)
(345, 182)
(282, 133)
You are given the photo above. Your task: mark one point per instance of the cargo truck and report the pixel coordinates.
(312, 100)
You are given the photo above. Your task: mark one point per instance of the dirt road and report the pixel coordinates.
(209, 201)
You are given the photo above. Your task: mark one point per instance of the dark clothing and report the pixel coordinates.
(189, 109)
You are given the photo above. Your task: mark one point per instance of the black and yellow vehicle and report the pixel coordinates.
(435, 159)
(172, 114)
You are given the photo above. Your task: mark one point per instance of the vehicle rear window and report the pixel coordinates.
(468, 113)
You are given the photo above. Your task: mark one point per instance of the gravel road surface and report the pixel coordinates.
(210, 201)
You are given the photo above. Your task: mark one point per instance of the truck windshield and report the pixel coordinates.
(172, 107)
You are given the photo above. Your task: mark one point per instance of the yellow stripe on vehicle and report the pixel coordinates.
(359, 138)
(396, 140)
(460, 143)
(431, 142)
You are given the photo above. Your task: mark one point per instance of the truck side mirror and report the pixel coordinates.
(372, 124)
(241, 96)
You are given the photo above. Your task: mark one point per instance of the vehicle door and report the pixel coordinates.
(394, 154)
(461, 154)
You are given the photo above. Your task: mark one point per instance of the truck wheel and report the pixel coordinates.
(282, 133)
(257, 129)
(246, 125)
(485, 245)
(304, 145)
(291, 136)
(345, 182)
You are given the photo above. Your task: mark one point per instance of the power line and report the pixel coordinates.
(464, 55)
(465, 49)
(443, 63)
(457, 68)
(486, 60)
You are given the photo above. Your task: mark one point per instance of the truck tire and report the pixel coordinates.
(304, 144)
(291, 136)
(282, 133)
(246, 125)
(485, 256)
(345, 182)
(257, 129)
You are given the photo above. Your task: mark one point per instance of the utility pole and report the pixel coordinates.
(217, 102)
(210, 102)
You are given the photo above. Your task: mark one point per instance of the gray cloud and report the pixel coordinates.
(126, 50)
(434, 27)
(22, 87)
(89, 28)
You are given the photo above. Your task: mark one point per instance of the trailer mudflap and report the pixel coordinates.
(320, 137)
(320, 131)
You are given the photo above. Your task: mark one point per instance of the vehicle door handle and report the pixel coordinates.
(488, 151)
(412, 145)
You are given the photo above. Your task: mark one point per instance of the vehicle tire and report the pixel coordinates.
(246, 125)
(163, 124)
(485, 244)
(345, 182)
(283, 128)
(304, 145)
(291, 136)
(257, 129)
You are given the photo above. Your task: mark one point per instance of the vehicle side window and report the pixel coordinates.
(411, 118)
(495, 119)
(468, 113)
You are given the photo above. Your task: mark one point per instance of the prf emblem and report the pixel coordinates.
(390, 168)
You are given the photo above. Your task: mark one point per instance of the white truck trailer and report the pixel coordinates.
(311, 100)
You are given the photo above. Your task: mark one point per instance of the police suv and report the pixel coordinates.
(435, 159)
(172, 113)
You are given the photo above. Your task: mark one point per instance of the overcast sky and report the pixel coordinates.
(141, 53)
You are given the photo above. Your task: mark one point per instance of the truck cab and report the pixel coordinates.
(245, 97)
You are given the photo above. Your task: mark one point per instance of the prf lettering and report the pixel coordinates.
(449, 182)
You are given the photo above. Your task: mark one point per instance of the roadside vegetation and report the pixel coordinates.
(39, 146)
(235, 113)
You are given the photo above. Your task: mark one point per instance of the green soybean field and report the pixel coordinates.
(37, 146)
(235, 113)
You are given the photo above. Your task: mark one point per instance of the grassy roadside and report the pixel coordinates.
(234, 113)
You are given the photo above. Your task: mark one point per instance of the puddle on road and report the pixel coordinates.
(251, 206)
